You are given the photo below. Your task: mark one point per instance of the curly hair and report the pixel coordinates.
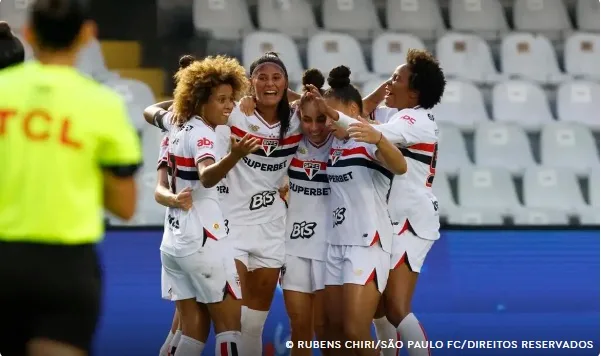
(426, 78)
(195, 84)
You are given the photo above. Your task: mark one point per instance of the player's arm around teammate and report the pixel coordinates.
(306, 227)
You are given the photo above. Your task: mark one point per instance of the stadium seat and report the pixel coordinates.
(568, 145)
(14, 12)
(587, 15)
(257, 43)
(539, 217)
(471, 216)
(593, 188)
(549, 188)
(466, 56)
(581, 55)
(487, 188)
(462, 105)
(452, 151)
(137, 96)
(483, 16)
(294, 18)
(223, 19)
(90, 61)
(389, 50)
(355, 17)
(419, 17)
(528, 56)
(498, 145)
(550, 17)
(370, 86)
(327, 50)
(578, 101)
(442, 190)
(589, 216)
(522, 103)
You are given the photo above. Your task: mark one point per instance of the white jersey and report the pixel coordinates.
(253, 183)
(163, 151)
(308, 218)
(360, 188)
(415, 132)
(187, 231)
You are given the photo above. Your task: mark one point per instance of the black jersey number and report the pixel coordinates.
(173, 169)
(430, 178)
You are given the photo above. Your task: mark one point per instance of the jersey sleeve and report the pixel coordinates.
(402, 129)
(162, 161)
(202, 144)
(119, 146)
(382, 114)
(163, 119)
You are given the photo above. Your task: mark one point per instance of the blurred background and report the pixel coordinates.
(518, 169)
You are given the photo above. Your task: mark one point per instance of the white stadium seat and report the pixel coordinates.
(327, 50)
(569, 146)
(452, 151)
(420, 17)
(582, 55)
(522, 103)
(528, 56)
(462, 105)
(355, 17)
(137, 96)
(90, 61)
(550, 17)
(589, 216)
(549, 188)
(224, 19)
(487, 188)
(540, 217)
(483, 16)
(292, 17)
(500, 145)
(471, 216)
(389, 50)
(442, 190)
(466, 56)
(593, 188)
(587, 15)
(14, 12)
(578, 101)
(257, 43)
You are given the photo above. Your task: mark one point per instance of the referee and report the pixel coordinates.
(68, 151)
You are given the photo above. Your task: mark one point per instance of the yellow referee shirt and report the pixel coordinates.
(58, 131)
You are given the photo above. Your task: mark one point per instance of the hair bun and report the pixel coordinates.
(186, 60)
(5, 32)
(339, 77)
(271, 54)
(314, 77)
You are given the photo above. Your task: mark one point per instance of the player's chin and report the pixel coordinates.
(389, 100)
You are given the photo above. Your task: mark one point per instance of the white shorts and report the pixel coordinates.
(207, 275)
(357, 265)
(260, 246)
(304, 275)
(409, 248)
(165, 287)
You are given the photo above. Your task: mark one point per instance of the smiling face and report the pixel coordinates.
(398, 93)
(219, 106)
(270, 84)
(313, 123)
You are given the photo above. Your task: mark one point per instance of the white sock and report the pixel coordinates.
(252, 331)
(411, 330)
(385, 331)
(165, 348)
(174, 342)
(189, 347)
(228, 343)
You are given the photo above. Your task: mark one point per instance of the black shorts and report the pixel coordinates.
(48, 292)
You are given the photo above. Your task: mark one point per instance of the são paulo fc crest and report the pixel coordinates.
(311, 168)
(269, 145)
(334, 155)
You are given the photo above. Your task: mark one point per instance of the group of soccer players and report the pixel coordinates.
(348, 244)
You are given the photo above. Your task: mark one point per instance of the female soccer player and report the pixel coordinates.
(198, 261)
(307, 224)
(413, 90)
(11, 49)
(358, 253)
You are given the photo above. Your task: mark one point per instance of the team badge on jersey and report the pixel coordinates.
(269, 145)
(302, 150)
(335, 155)
(253, 128)
(311, 168)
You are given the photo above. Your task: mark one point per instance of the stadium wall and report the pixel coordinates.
(477, 284)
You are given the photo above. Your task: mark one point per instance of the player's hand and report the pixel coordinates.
(313, 94)
(247, 145)
(183, 199)
(284, 192)
(248, 105)
(364, 132)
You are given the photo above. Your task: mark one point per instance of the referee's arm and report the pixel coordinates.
(119, 157)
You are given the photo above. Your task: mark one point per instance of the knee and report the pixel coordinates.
(396, 312)
(320, 330)
(301, 324)
(352, 331)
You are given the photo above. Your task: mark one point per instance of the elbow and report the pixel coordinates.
(400, 168)
(148, 116)
(128, 212)
(206, 182)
